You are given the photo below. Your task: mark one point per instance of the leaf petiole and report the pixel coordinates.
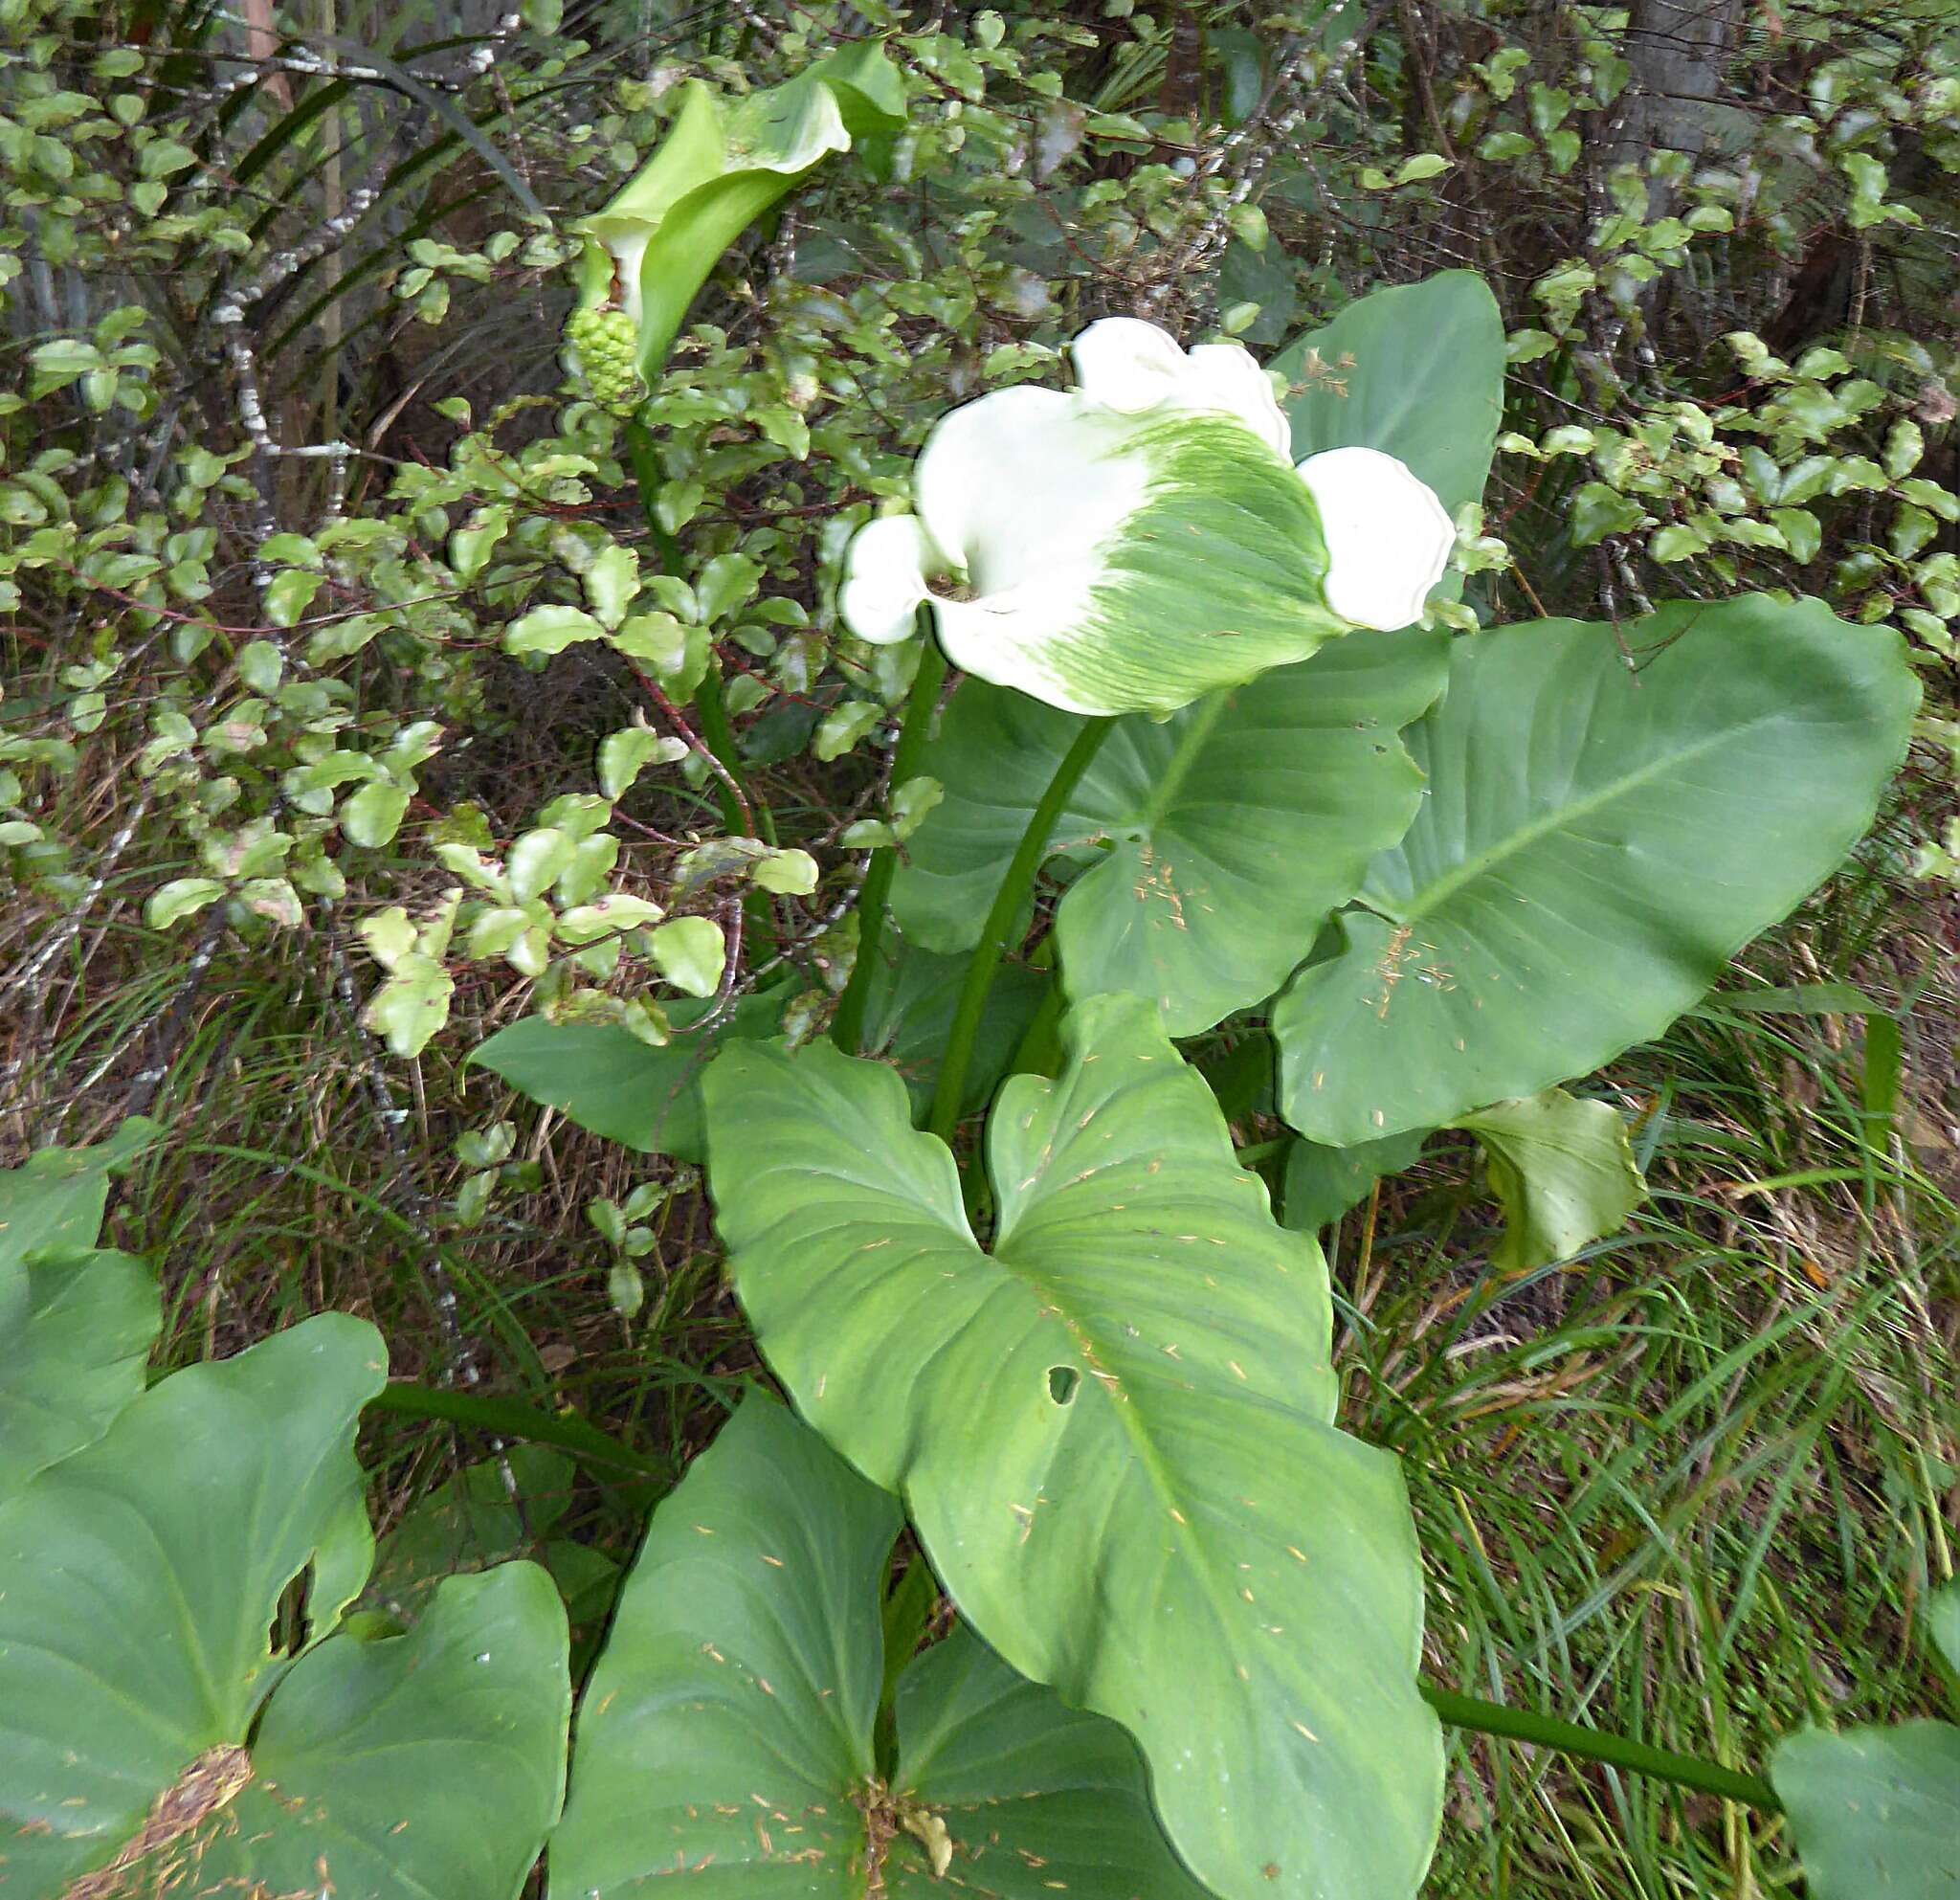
(1525, 1725)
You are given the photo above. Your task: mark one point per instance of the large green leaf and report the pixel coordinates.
(139, 1580)
(1594, 844)
(606, 1080)
(486, 1514)
(1217, 841)
(1321, 1183)
(75, 1333)
(728, 1722)
(1564, 1169)
(429, 1763)
(1115, 1430)
(728, 1732)
(77, 1322)
(1875, 1811)
(54, 1202)
(914, 996)
(1417, 370)
(1943, 1626)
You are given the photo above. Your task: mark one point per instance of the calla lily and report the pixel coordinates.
(1145, 539)
(721, 165)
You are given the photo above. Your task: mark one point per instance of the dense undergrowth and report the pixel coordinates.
(294, 444)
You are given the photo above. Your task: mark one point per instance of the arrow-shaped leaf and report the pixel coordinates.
(1597, 841)
(1115, 1430)
(148, 1723)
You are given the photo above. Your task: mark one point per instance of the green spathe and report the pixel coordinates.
(721, 165)
(1114, 1429)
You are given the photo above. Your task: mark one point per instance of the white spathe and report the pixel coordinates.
(1143, 540)
(1130, 365)
(1017, 495)
(885, 578)
(1389, 538)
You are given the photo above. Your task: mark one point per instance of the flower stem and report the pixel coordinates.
(1684, 1771)
(952, 1088)
(847, 1027)
(736, 799)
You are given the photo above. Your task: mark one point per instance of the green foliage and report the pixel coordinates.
(608, 1081)
(77, 1321)
(1086, 1449)
(741, 1685)
(144, 1573)
(1597, 839)
(1873, 1808)
(379, 678)
(1564, 1170)
(1416, 371)
(1211, 847)
(1321, 1183)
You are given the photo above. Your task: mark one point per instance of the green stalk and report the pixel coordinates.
(847, 1029)
(1012, 893)
(646, 475)
(1684, 1770)
(513, 1419)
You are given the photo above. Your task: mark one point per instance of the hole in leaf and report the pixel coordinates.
(1062, 1381)
(292, 1621)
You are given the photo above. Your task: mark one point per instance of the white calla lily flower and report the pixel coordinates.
(1388, 536)
(1128, 546)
